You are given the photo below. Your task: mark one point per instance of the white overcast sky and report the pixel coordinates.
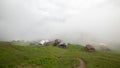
(73, 20)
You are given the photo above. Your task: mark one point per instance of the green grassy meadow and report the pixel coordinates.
(16, 56)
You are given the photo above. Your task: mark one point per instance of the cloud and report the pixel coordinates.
(71, 20)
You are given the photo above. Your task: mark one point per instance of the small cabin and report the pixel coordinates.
(89, 47)
(57, 41)
(104, 47)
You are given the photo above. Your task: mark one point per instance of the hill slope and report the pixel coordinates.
(14, 56)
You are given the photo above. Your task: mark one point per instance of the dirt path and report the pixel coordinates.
(82, 64)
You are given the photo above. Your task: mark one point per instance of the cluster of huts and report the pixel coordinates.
(56, 42)
(102, 47)
(62, 44)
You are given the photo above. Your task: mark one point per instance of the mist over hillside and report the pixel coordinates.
(78, 21)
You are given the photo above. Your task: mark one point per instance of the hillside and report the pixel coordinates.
(15, 56)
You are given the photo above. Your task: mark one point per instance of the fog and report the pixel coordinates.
(78, 21)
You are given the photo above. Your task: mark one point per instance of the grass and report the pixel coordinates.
(13, 56)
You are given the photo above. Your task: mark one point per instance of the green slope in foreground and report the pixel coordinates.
(14, 56)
